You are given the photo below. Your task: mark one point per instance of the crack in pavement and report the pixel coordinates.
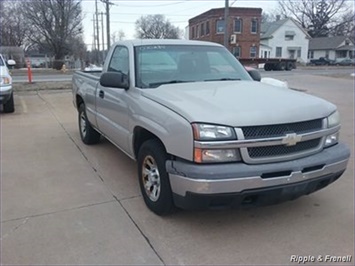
(59, 211)
(14, 229)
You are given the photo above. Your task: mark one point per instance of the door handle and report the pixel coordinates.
(102, 94)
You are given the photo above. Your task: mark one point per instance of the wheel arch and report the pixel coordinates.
(141, 135)
(78, 101)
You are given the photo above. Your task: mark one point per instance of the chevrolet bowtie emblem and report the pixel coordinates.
(291, 139)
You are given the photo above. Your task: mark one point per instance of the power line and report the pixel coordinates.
(170, 4)
(128, 22)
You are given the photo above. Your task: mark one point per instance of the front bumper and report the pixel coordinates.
(5, 93)
(248, 183)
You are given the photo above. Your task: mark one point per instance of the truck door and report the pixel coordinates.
(111, 103)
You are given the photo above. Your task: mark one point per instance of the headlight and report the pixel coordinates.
(216, 156)
(212, 132)
(334, 119)
(206, 132)
(5, 80)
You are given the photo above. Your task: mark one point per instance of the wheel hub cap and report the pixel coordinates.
(83, 124)
(151, 178)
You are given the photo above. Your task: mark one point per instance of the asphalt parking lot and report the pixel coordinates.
(66, 203)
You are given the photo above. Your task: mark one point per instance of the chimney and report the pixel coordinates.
(278, 17)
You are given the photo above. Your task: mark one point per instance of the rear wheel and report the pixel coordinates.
(267, 67)
(9, 106)
(289, 66)
(87, 133)
(282, 66)
(153, 178)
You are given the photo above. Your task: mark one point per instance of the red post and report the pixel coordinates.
(29, 71)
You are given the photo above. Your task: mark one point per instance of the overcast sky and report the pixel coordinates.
(125, 13)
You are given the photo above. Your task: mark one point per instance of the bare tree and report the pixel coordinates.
(54, 23)
(267, 17)
(319, 17)
(14, 29)
(156, 27)
(118, 36)
(346, 26)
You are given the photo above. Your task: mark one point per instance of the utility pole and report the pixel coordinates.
(103, 37)
(94, 33)
(107, 2)
(226, 34)
(97, 29)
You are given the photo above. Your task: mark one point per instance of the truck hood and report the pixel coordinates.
(239, 103)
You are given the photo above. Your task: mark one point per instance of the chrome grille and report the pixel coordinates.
(268, 131)
(280, 150)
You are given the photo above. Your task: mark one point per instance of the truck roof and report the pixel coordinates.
(141, 42)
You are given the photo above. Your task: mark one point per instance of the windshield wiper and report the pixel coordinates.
(157, 84)
(221, 79)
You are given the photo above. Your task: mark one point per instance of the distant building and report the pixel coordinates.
(331, 47)
(284, 39)
(243, 29)
(38, 60)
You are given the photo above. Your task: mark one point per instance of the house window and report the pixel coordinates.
(289, 35)
(198, 31)
(220, 26)
(254, 25)
(299, 53)
(202, 29)
(253, 51)
(237, 51)
(278, 51)
(207, 27)
(310, 54)
(265, 54)
(327, 54)
(238, 25)
(192, 32)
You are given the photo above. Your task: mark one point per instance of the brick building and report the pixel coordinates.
(243, 29)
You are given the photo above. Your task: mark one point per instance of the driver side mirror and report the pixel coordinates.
(255, 74)
(117, 80)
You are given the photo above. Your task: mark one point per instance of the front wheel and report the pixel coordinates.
(153, 178)
(87, 133)
(9, 106)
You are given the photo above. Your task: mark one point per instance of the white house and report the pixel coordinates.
(284, 39)
(331, 47)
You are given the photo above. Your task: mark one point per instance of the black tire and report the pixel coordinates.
(275, 66)
(267, 67)
(87, 133)
(153, 178)
(282, 66)
(289, 66)
(9, 106)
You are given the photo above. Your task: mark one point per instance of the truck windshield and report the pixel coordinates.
(163, 64)
(1, 62)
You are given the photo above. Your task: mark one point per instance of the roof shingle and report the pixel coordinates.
(326, 43)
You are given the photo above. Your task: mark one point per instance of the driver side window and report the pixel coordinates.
(119, 60)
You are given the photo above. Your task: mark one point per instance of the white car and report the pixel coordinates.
(6, 92)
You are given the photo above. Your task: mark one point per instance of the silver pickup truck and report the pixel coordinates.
(203, 132)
